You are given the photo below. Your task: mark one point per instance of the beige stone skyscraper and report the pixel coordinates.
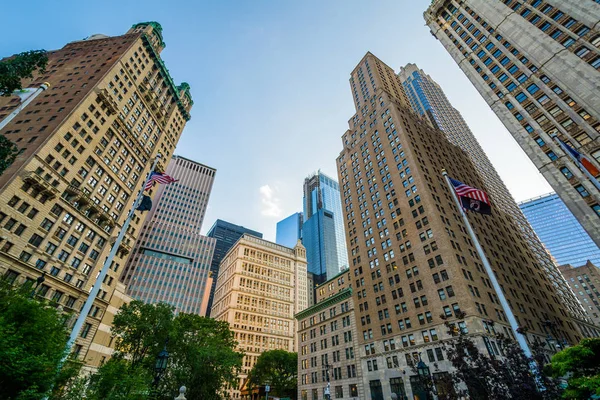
(88, 143)
(261, 286)
(413, 265)
(536, 63)
(428, 99)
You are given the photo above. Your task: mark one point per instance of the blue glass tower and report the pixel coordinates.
(560, 231)
(289, 230)
(323, 231)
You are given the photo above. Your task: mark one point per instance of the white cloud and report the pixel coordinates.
(270, 202)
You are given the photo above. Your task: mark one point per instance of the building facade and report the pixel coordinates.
(414, 269)
(171, 259)
(428, 100)
(289, 230)
(328, 336)
(585, 282)
(536, 64)
(559, 230)
(260, 287)
(87, 145)
(226, 235)
(323, 229)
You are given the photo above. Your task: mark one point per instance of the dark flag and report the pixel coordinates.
(475, 205)
(472, 199)
(145, 204)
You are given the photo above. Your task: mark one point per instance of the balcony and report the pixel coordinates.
(86, 206)
(106, 99)
(39, 183)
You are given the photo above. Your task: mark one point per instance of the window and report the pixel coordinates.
(582, 51)
(533, 88)
(582, 191)
(521, 97)
(86, 330)
(566, 172)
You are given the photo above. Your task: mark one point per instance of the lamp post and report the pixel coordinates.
(425, 376)
(551, 339)
(160, 366)
(328, 387)
(38, 282)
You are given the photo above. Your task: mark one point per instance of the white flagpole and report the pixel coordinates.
(488, 268)
(583, 169)
(96, 288)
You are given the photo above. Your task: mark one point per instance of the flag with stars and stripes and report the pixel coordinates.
(471, 198)
(159, 178)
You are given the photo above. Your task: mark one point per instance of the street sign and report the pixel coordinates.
(267, 388)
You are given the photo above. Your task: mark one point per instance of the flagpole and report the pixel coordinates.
(583, 169)
(96, 288)
(488, 268)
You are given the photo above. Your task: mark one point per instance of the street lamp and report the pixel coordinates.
(425, 376)
(328, 388)
(160, 366)
(38, 282)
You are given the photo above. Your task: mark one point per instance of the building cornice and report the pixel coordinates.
(342, 295)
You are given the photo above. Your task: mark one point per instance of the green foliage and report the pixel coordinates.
(8, 153)
(18, 67)
(119, 380)
(280, 369)
(581, 363)
(202, 355)
(33, 339)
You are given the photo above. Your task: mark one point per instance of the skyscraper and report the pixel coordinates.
(413, 266)
(289, 230)
(171, 259)
(323, 229)
(261, 286)
(427, 99)
(536, 64)
(225, 234)
(585, 282)
(88, 143)
(560, 232)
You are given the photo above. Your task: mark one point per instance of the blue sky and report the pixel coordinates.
(270, 85)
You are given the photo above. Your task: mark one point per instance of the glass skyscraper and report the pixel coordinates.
(289, 230)
(560, 231)
(323, 230)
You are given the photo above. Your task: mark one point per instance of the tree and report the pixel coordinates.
(580, 363)
(202, 351)
(33, 339)
(280, 369)
(8, 153)
(18, 67)
(118, 379)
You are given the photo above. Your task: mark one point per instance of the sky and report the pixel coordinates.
(270, 86)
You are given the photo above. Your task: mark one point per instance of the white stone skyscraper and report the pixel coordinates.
(171, 259)
(428, 99)
(536, 63)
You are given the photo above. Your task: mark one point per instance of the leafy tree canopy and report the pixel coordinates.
(18, 67)
(280, 369)
(581, 363)
(8, 153)
(33, 339)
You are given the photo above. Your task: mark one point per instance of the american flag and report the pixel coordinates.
(159, 178)
(463, 190)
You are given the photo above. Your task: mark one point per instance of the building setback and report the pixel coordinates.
(289, 230)
(323, 229)
(585, 282)
(88, 143)
(536, 64)
(171, 259)
(261, 286)
(226, 235)
(428, 99)
(413, 266)
(559, 230)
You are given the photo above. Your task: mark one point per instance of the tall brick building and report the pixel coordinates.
(88, 143)
(413, 265)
